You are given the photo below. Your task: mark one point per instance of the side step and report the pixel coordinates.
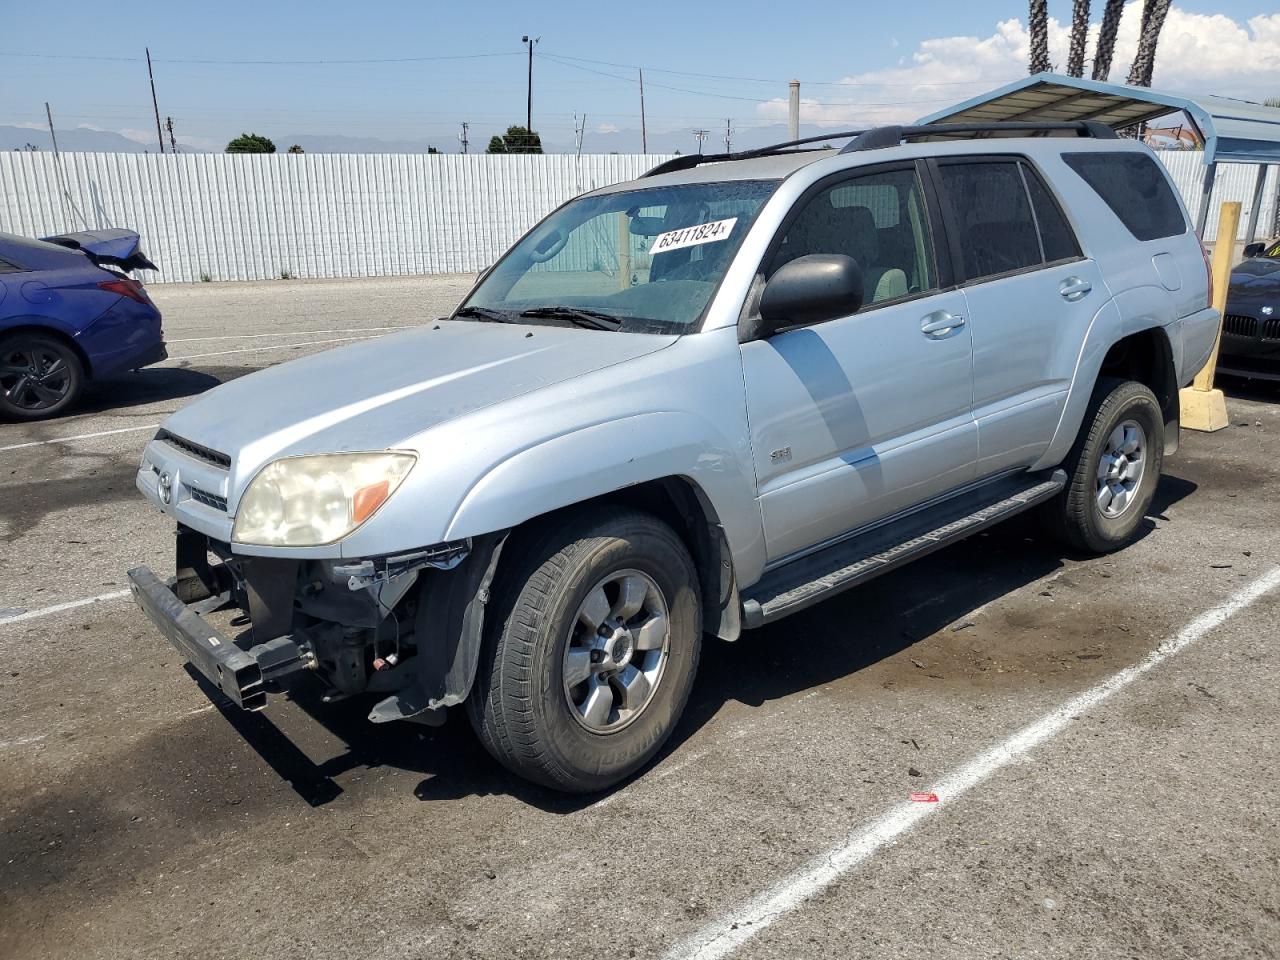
(848, 563)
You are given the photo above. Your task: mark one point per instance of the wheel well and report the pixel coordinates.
(682, 505)
(1147, 357)
(53, 334)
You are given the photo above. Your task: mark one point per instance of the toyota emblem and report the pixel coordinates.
(165, 488)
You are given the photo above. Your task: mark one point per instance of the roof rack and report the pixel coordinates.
(892, 136)
(880, 137)
(692, 160)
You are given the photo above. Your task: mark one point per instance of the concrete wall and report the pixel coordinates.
(246, 217)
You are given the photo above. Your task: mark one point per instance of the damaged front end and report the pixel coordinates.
(407, 626)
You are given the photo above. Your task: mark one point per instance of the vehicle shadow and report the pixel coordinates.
(150, 385)
(843, 635)
(1248, 388)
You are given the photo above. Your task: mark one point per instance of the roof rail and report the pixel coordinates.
(882, 137)
(688, 161)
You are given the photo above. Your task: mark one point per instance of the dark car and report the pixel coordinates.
(1251, 324)
(68, 314)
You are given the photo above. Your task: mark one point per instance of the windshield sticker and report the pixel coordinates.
(692, 236)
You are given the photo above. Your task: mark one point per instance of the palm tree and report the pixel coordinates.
(1079, 33)
(1107, 39)
(1038, 24)
(1144, 61)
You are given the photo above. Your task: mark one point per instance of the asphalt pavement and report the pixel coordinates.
(1099, 734)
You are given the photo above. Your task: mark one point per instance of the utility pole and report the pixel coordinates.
(728, 135)
(644, 135)
(462, 137)
(793, 112)
(528, 117)
(154, 105)
(53, 136)
(700, 135)
(579, 130)
(173, 141)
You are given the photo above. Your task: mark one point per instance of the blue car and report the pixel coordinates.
(68, 314)
(1251, 323)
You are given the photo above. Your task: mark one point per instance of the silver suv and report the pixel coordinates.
(690, 404)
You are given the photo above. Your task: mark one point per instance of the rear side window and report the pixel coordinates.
(991, 213)
(8, 266)
(1135, 189)
(1055, 233)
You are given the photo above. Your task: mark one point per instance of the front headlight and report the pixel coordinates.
(309, 501)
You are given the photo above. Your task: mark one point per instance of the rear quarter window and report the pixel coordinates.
(1136, 190)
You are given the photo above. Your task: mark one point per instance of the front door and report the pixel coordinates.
(862, 417)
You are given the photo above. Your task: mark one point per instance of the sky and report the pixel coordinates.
(444, 63)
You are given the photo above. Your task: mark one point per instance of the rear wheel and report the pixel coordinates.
(40, 376)
(591, 652)
(1112, 470)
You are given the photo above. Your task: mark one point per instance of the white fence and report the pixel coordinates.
(248, 217)
(252, 217)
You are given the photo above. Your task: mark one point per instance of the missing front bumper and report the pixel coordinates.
(240, 674)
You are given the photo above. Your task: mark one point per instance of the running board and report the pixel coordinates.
(848, 563)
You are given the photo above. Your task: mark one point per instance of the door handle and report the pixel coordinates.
(940, 324)
(1074, 288)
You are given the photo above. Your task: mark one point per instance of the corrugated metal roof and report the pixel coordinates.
(1233, 130)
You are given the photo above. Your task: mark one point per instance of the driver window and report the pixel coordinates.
(880, 221)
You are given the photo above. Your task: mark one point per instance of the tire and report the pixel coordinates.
(40, 376)
(538, 637)
(1084, 516)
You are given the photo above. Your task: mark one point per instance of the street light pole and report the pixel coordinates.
(528, 117)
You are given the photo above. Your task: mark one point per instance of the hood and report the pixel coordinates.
(1256, 276)
(379, 393)
(116, 248)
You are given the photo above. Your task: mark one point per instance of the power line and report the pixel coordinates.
(244, 63)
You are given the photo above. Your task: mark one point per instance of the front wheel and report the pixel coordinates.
(591, 652)
(1112, 470)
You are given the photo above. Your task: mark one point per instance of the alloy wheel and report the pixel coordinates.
(34, 376)
(1120, 468)
(617, 651)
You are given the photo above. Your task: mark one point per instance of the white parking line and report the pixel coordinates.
(723, 936)
(78, 436)
(61, 607)
(283, 333)
(269, 346)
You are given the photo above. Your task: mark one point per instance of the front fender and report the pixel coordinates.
(608, 457)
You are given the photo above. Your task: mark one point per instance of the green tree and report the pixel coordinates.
(294, 149)
(516, 140)
(251, 143)
(1271, 102)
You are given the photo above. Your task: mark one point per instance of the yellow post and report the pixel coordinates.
(624, 251)
(1203, 407)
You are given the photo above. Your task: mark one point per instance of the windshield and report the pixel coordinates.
(641, 261)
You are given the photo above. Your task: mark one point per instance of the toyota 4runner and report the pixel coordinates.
(690, 404)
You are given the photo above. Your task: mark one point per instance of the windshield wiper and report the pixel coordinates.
(594, 319)
(484, 313)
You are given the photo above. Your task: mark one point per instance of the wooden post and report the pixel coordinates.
(1203, 407)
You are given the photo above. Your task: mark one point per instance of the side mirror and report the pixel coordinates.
(1254, 250)
(810, 289)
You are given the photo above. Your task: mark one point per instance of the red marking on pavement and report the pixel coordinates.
(920, 796)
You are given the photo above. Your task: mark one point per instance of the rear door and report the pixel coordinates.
(1030, 297)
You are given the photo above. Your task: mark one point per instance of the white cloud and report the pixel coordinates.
(1197, 53)
(607, 128)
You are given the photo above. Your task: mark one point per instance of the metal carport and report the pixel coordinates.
(1233, 131)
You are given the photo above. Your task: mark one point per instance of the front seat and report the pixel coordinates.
(822, 228)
